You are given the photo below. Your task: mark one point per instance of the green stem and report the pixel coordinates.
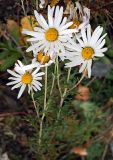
(82, 77)
(34, 103)
(45, 108)
(64, 94)
(53, 80)
(58, 80)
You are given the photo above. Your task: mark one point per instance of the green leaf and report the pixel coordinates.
(105, 60)
(9, 61)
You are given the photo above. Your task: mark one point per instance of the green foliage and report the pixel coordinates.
(95, 151)
(9, 55)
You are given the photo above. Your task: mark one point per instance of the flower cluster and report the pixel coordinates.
(69, 38)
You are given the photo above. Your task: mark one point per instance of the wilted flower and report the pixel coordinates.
(80, 16)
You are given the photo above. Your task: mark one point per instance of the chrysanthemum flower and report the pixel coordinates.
(89, 46)
(22, 78)
(80, 16)
(52, 36)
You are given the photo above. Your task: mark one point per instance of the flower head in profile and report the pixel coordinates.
(42, 59)
(80, 16)
(22, 78)
(89, 46)
(50, 36)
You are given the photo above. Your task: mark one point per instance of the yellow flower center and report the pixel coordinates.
(51, 34)
(43, 58)
(87, 53)
(75, 24)
(27, 78)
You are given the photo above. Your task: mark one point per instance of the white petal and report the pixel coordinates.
(16, 86)
(34, 46)
(13, 78)
(66, 26)
(39, 20)
(35, 39)
(14, 82)
(83, 32)
(102, 50)
(19, 70)
(89, 64)
(99, 54)
(101, 44)
(47, 47)
(40, 48)
(37, 78)
(35, 71)
(80, 41)
(68, 31)
(50, 18)
(89, 32)
(38, 29)
(40, 74)
(44, 21)
(20, 63)
(63, 21)
(61, 47)
(96, 34)
(37, 86)
(13, 73)
(21, 90)
(60, 17)
(30, 33)
(38, 83)
(34, 88)
(83, 66)
(100, 40)
(75, 62)
(29, 67)
(64, 40)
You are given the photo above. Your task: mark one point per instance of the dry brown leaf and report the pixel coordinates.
(29, 22)
(67, 1)
(23, 39)
(83, 93)
(54, 2)
(12, 25)
(69, 6)
(81, 151)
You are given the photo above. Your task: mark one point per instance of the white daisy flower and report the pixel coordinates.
(22, 78)
(52, 36)
(89, 46)
(80, 16)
